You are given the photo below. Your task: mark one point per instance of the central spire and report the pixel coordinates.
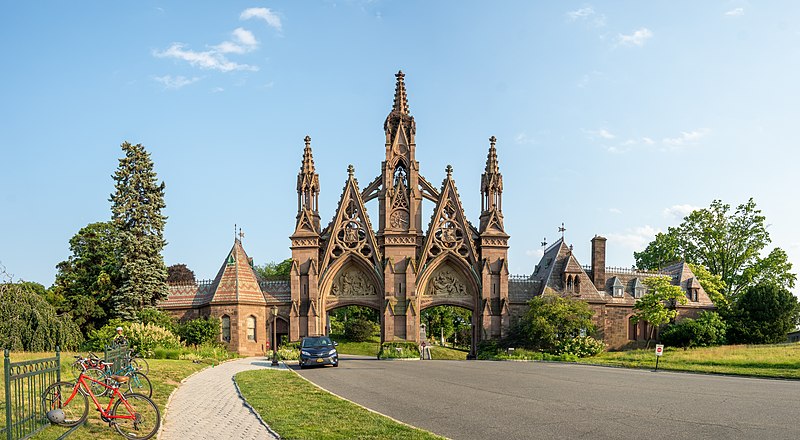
(400, 99)
(307, 166)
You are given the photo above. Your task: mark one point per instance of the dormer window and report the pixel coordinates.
(638, 288)
(617, 289)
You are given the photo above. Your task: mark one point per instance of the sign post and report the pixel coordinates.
(659, 352)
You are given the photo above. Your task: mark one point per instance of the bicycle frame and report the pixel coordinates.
(81, 383)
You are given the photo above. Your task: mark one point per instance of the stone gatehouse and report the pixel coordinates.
(405, 266)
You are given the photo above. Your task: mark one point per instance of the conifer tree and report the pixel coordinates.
(136, 211)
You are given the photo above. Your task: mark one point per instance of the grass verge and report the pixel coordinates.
(367, 348)
(778, 361)
(165, 375)
(296, 409)
(447, 353)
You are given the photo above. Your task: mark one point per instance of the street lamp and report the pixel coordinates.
(274, 311)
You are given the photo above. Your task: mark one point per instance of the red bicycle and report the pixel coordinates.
(134, 416)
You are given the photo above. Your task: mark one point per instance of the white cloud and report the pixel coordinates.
(637, 38)
(587, 13)
(615, 210)
(176, 82)
(211, 59)
(686, 138)
(601, 133)
(633, 239)
(245, 37)
(735, 12)
(245, 42)
(217, 90)
(679, 211)
(580, 13)
(265, 14)
(523, 139)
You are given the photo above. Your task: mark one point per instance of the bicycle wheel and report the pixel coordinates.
(146, 421)
(141, 365)
(140, 384)
(98, 375)
(56, 395)
(76, 369)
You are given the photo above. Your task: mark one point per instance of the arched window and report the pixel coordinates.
(577, 284)
(633, 328)
(569, 283)
(251, 328)
(226, 328)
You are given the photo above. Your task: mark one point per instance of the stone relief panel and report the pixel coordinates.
(445, 282)
(352, 282)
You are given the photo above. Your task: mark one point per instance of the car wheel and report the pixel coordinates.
(336, 364)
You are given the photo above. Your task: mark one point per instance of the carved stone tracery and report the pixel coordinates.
(448, 234)
(351, 233)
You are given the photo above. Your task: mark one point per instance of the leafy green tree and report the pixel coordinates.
(549, 321)
(161, 318)
(136, 208)
(359, 329)
(657, 306)
(763, 314)
(728, 244)
(712, 284)
(179, 273)
(199, 331)
(29, 322)
(86, 281)
(452, 322)
(275, 271)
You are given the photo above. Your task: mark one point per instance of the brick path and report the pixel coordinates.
(207, 406)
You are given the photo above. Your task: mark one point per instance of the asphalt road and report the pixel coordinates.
(527, 400)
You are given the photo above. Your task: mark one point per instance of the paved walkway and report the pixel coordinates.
(207, 406)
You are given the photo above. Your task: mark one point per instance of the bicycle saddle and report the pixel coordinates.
(121, 379)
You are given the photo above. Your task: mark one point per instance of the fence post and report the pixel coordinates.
(58, 363)
(7, 379)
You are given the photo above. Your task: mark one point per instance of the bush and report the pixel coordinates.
(359, 330)
(707, 330)
(199, 331)
(549, 320)
(398, 350)
(142, 338)
(582, 346)
(152, 315)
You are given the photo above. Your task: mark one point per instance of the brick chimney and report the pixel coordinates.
(599, 262)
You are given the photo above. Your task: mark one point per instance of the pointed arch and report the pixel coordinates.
(366, 274)
(459, 267)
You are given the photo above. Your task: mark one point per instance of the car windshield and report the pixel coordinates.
(317, 342)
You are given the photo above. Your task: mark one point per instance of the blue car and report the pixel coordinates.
(318, 350)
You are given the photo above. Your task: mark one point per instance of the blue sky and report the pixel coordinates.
(615, 118)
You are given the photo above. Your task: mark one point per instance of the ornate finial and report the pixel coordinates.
(350, 170)
(492, 167)
(235, 229)
(570, 248)
(449, 171)
(241, 234)
(307, 167)
(544, 242)
(400, 99)
(562, 229)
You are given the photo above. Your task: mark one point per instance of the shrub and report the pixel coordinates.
(582, 346)
(199, 331)
(359, 330)
(707, 330)
(289, 351)
(398, 350)
(152, 315)
(548, 321)
(142, 338)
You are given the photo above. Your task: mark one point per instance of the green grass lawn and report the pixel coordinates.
(368, 348)
(780, 360)
(296, 409)
(447, 353)
(165, 375)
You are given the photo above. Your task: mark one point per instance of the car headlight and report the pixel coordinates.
(332, 352)
(305, 353)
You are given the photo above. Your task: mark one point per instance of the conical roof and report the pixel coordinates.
(236, 281)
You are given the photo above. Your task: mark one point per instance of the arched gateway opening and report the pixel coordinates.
(448, 331)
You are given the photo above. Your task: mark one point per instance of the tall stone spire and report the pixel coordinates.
(400, 98)
(307, 192)
(492, 192)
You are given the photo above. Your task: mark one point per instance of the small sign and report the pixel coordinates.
(659, 349)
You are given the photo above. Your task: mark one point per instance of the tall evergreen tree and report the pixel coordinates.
(136, 211)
